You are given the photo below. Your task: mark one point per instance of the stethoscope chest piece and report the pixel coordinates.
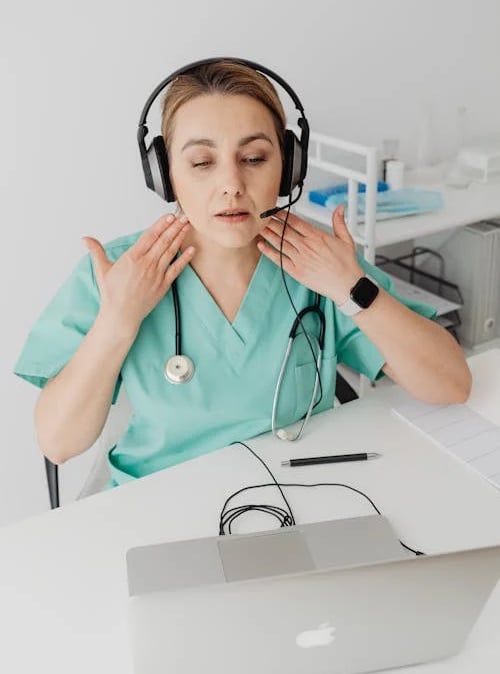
(178, 369)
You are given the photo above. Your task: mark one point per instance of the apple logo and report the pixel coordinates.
(324, 635)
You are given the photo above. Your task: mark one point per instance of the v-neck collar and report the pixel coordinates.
(232, 339)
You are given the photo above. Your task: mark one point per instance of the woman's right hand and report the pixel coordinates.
(132, 286)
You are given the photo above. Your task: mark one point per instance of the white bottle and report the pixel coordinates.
(394, 174)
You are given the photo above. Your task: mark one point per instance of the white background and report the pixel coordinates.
(74, 78)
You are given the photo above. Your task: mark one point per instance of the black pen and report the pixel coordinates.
(336, 458)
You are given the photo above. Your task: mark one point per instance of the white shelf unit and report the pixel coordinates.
(363, 234)
(478, 201)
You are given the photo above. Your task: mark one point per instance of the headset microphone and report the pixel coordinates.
(272, 211)
(277, 209)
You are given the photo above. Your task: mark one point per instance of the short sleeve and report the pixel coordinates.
(354, 348)
(61, 327)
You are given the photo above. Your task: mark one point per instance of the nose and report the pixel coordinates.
(232, 181)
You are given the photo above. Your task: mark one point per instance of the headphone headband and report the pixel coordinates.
(203, 62)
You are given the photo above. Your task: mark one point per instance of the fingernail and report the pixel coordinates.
(170, 218)
(183, 219)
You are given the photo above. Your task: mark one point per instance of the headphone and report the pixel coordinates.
(155, 157)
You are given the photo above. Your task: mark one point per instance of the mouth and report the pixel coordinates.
(232, 211)
(233, 215)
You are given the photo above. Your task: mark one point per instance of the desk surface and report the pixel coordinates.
(478, 201)
(63, 590)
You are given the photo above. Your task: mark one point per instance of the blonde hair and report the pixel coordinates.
(221, 77)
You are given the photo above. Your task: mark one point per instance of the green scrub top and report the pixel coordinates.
(230, 396)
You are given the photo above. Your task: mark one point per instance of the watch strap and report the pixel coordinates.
(349, 307)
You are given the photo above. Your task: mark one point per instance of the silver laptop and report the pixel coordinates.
(336, 597)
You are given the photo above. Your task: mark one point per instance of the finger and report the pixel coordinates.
(278, 222)
(164, 242)
(148, 238)
(339, 225)
(275, 239)
(99, 258)
(301, 226)
(178, 265)
(291, 235)
(172, 249)
(274, 256)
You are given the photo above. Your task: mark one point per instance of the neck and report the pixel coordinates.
(212, 262)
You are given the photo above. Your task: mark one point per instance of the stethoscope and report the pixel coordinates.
(179, 369)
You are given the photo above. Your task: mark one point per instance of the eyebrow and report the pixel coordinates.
(243, 141)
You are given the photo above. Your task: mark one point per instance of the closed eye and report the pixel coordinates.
(245, 160)
(254, 160)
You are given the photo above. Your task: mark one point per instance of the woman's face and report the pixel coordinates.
(225, 158)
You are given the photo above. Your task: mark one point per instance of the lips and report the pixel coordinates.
(231, 212)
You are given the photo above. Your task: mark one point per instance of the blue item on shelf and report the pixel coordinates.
(394, 203)
(320, 196)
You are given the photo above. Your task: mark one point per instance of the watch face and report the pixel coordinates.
(364, 292)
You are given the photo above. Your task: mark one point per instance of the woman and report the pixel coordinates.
(113, 320)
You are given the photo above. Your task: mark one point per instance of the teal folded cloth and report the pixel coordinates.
(394, 203)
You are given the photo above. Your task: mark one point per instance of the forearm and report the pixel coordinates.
(420, 355)
(72, 408)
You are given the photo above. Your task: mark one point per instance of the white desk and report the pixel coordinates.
(479, 201)
(63, 591)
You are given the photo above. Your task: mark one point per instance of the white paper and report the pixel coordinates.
(461, 431)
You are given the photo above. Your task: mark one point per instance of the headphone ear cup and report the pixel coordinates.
(292, 164)
(156, 169)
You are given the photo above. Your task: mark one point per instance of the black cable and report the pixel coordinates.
(285, 518)
(234, 513)
(270, 473)
(285, 222)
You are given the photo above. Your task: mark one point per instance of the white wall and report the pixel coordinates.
(74, 79)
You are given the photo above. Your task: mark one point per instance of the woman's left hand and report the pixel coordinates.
(325, 263)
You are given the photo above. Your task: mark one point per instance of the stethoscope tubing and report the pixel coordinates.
(184, 362)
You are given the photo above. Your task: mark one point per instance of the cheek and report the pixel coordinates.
(274, 182)
(185, 191)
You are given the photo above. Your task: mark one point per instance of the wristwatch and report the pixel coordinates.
(361, 296)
